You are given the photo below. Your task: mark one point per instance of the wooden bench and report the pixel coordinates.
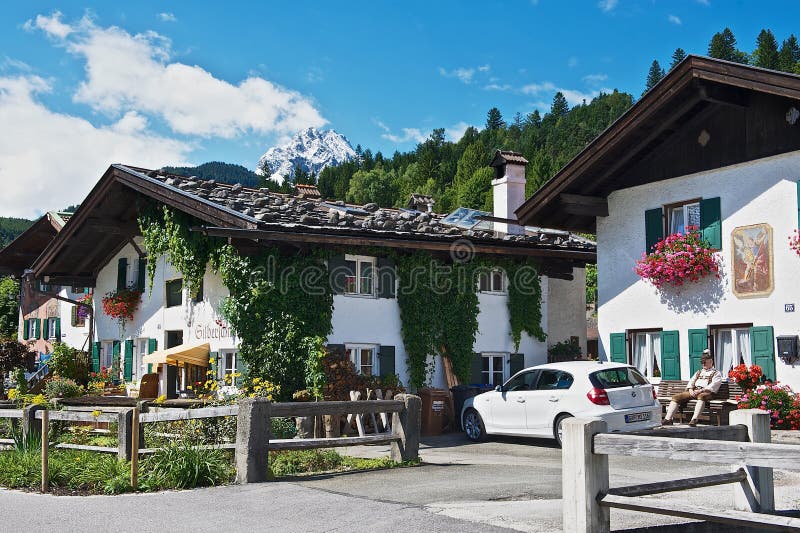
(716, 411)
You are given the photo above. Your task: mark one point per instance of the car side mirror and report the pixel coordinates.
(499, 388)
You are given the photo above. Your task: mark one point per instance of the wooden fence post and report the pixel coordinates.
(584, 477)
(45, 450)
(252, 440)
(406, 426)
(135, 448)
(760, 481)
(124, 432)
(29, 424)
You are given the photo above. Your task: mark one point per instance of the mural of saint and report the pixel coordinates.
(752, 260)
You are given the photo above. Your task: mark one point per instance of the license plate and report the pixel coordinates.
(637, 417)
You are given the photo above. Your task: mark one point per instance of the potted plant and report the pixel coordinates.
(677, 259)
(122, 304)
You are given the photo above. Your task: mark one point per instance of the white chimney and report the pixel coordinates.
(508, 188)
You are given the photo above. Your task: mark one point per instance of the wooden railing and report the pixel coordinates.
(253, 429)
(588, 498)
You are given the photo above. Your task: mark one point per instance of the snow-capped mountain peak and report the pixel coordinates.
(311, 149)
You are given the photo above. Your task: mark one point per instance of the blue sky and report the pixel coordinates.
(85, 84)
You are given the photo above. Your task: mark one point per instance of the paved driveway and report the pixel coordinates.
(501, 485)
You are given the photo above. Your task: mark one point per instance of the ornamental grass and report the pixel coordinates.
(677, 259)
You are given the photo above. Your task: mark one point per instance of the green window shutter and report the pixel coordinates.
(140, 274)
(115, 352)
(214, 367)
(698, 341)
(386, 278)
(516, 363)
(128, 369)
(122, 273)
(386, 361)
(476, 369)
(38, 329)
(241, 368)
(46, 328)
(762, 349)
(618, 352)
(338, 271)
(711, 222)
(670, 355)
(653, 227)
(95, 357)
(25, 327)
(58, 328)
(152, 346)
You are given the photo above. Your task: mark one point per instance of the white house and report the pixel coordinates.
(714, 145)
(101, 248)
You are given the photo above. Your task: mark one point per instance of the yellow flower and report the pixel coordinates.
(210, 360)
(210, 373)
(96, 413)
(161, 398)
(39, 399)
(12, 393)
(77, 459)
(189, 387)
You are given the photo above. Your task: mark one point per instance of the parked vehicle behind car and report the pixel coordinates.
(535, 401)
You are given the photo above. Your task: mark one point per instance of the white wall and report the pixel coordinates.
(762, 191)
(568, 318)
(72, 336)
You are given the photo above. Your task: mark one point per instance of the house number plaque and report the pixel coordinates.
(788, 308)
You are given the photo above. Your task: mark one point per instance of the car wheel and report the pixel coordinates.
(473, 426)
(558, 431)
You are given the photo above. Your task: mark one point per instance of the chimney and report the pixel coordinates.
(508, 188)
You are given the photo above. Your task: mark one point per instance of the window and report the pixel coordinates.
(524, 381)
(493, 371)
(174, 338)
(174, 293)
(31, 325)
(731, 347)
(107, 354)
(647, 353)
(554, 380)
(360, 279)
(614, 378)
(363, 357)
(227, 363)
(51, 328)
(77, 320)
(682, 215)
(139, 368)
(493, 281)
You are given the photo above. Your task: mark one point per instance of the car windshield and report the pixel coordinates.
(617, 377)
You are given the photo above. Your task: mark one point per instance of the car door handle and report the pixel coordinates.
(521, 400)
(553, 399)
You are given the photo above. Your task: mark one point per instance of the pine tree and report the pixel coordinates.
(534, 119)
(654, 75)
(677, 56)
(494, 120)
(789, 54)
(560, 106)
(723, 46)
(766, 53)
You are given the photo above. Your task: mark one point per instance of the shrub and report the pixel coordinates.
(779, 401)
(677, 259)
(179, 466)
(62, 388)
(566, 348)
(70, 363)
(283, 428)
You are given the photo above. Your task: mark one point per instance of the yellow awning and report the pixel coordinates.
(193, 354)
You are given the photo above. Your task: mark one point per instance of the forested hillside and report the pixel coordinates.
(224, 172)
(11, 228)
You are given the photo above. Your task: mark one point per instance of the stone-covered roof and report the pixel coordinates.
(502, 157)
(303, 213)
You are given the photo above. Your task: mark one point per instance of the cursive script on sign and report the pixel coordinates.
(207, 331)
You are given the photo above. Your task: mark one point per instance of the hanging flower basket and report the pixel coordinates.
(121, 305)
(677, 259)
(794, 242)
(82, 311)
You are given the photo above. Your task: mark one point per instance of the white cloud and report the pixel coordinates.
(595, 78)
(607, 5)
(9, 63)
(409, 134)
(535, 88)
(127, 72)
(453, 133)
(504, 87)
(51, 25)
(52, 160)
(674, 19)
(167, 17)
(456, 131)
(573, 96)
(464, 74)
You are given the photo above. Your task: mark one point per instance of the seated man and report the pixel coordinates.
(703, 387)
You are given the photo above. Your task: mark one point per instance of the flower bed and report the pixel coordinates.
(747, 378)
(782, 404)
(678, 259)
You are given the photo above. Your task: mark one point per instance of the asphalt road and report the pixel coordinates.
(501, 485)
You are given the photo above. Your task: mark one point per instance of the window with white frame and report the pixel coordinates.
(646, 353)
(682, 216)
(493, 281)
(493, 371)
(31, 325)
(731, 347)
(360, 278)
(364, 358)
(107, 354)
(139, 368)
(51, 328)
(227, 362)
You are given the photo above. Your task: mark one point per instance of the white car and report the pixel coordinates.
(536, 400)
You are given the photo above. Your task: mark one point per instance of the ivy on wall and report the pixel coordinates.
(524, 300)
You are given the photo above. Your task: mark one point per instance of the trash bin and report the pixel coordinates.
(460, 395)
(434, 410)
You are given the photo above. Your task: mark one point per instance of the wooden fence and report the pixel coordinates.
(253, 429)
(588, 498)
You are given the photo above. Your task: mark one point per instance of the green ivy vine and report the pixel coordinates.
(524, 300)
